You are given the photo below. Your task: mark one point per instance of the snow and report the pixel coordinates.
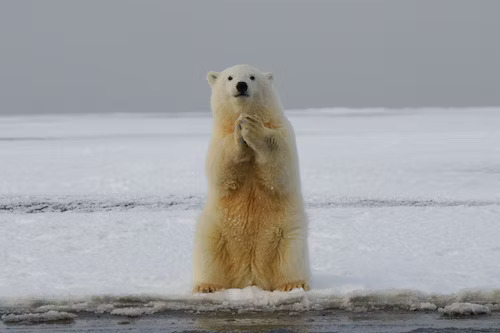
(465, 309)
(148, 251)
(369, 154)
(426, 306)
(97, 212)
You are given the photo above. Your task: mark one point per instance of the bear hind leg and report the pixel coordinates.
(293, 264)
(211, 263)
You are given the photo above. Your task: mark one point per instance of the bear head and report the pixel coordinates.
(242, 89)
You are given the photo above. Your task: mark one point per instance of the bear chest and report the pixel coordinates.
(251, 209)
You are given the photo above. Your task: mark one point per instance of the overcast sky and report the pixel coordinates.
(60, 56)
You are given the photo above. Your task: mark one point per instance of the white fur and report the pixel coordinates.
(253, 228)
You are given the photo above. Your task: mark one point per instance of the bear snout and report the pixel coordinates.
(242, 87)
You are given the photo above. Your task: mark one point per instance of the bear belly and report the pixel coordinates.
(252, 220)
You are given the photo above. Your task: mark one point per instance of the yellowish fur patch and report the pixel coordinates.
(251, 223)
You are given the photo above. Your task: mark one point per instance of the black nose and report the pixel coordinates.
(242, 87)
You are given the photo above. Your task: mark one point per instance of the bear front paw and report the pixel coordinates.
(252, 130)
(206, 288)
(294, 285)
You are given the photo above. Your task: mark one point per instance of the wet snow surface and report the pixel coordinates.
(97, 213)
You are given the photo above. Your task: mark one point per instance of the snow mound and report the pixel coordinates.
(425, 306)
(49, 316)
(464, 309)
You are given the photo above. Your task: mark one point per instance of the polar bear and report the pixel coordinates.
(253, 228)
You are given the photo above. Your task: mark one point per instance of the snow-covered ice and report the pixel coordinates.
(49, 316)
(97, 213)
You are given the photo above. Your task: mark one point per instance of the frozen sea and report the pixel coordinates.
(97, 214)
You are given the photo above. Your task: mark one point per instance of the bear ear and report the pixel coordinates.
(270, 76)
(211, 77)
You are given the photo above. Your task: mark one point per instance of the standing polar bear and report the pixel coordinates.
(253, 229)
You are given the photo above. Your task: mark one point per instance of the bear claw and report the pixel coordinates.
(294, 285)
(206, 288)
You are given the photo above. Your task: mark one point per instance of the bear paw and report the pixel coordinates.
(251, 130)
(206, 288)
(294, 285)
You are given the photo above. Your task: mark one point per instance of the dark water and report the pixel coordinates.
(319, 321)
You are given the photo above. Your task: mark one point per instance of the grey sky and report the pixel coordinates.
(60, 56)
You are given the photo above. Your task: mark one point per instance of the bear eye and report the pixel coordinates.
(252, 77)
(229, 78)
